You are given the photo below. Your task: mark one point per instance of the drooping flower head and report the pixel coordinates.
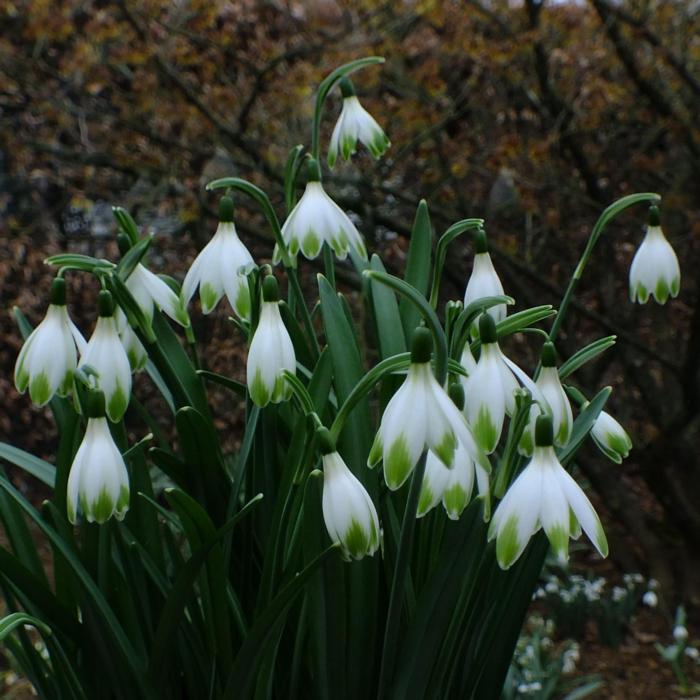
(451, 486)
(107, 356)
(220, 268)
(484, 282)
(98, 482)
(48, 358)
(612, 439)
(355, 124)
(348, 511)
(558, 403)
(271, 351)
(419, 417)
(655, 270)
(544, 496)
(317, 219)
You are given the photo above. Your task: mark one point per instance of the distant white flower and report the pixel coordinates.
(650, 599)
(484, 281)
(348, 511)
(692, 653)
(271, 352)
(543, 496)
(420, 416)
(655, 268)
(217, 270)
(107, 356)
(98, 482)
(611, 438)
(48, 358)
(317, 219)
(680, 633)
(355, 124)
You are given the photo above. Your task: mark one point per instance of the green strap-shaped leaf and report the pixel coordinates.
(417, 267)
(387, 319)
(586, 354)
(133, 257)
(38, 468)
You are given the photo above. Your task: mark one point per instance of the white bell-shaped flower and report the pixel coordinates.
(612, 439)
(317, 219)
(558, 404)
(420, 416)
(48, 358)
(355, 124)
(543, 496)
(271, 351)
(489, 389)
(220, 268)
(484, 281)
(135, 350)
(107, 356)
(98, 483)
(350, 516)
(655, 268)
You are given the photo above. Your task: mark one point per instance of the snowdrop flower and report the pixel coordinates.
(98, 482)
(355, 124)
(348, 511)
(692, 653)
(317, 219)
(217, 268)
(655, 268)
(151, 292)
(107, 356)
(49, 357)
(680, 633)
(543, 496)
(420, 416)
(484, 282)
(489, 389)
(611, 438)
(650, 599)
(558, 403)
(132, 345)
(271, 351)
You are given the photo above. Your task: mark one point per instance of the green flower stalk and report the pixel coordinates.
(220, 268)
(355, 124)
(271, 352)
(655, 270)
(106, 355)
(98, 483)
(544, 496)
(49, 356)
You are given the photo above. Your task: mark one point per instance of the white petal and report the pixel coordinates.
(485, 399)
(484, 282)
(555, 514)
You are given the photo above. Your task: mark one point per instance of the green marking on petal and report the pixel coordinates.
(642, 293)
(311, 245)
(181, 315)
(66, 384)
(601, 541)
(397, 464)
(574, 527)
(375, 453)
(259, 391)
(507, 544)
(117, 404)
(356, 540)
(526, 444)
(293, 246)
(71, 511)
(454, 501)
(619, 444)
(485, 430)
(559, 539)
(662, 291)
(348, 145)
(425, 501)
(102, 509)
(39, 389)
(21, 378)
(563, 434)
(675, 286)
(208, 297)
(332, 156)
(360, 249)
(242, 301)
(446, 449)
(281, 390)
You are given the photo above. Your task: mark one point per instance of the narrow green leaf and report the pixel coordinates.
(387, 319)
(417, 267)
(45, 472)
(126, 223)
(291, 172)
(133, 257)
(583, 424)
(586, 354)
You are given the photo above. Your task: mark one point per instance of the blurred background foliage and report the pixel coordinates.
(533, 114)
